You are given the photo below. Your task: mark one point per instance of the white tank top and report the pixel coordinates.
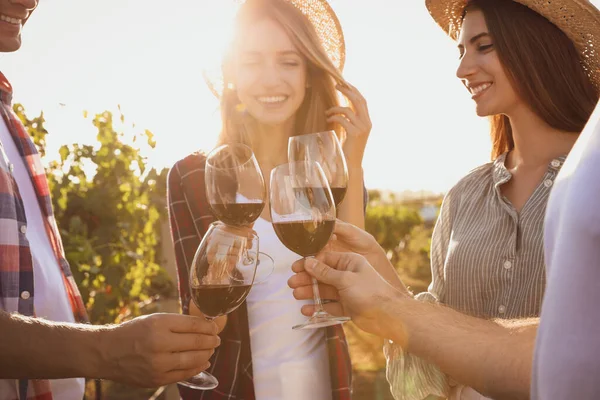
(287, 364)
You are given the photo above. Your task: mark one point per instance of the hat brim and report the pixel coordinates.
(578, 19)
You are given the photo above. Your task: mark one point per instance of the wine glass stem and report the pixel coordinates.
(317, 296)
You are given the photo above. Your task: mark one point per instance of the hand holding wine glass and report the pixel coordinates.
(303, 216)
(221, 278)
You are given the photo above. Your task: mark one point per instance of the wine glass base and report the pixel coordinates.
(321, 320)
(202, 381)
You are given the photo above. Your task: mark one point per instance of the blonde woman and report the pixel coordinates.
(280, 78)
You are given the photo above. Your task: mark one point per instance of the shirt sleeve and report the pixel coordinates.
(410, 377)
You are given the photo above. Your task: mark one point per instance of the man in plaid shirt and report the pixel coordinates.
(46, 343)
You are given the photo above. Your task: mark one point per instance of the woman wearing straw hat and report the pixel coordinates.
(279, 78)
(533, 67)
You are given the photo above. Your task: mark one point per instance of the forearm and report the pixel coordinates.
(384, 267)
(494, 358)
(352, 209)
(38, 349)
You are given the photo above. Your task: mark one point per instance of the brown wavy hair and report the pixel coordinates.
(544, 68)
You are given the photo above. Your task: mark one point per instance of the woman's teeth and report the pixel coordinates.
(272, 99)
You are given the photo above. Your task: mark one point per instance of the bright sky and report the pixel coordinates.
(147, 56)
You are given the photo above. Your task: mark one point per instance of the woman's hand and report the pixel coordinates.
(348, 238)
(356, 122)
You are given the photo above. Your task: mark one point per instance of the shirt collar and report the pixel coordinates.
(501, 174)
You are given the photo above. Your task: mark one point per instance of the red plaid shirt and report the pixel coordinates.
(232, 362)
(17, 289)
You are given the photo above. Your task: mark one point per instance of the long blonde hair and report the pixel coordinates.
(322, 75)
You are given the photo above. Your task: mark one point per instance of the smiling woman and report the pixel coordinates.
(279, 78)
(527, 71)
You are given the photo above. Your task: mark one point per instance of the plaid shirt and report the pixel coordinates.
(16, 264)
(232, 362)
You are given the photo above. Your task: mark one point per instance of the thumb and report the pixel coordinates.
(322, 272)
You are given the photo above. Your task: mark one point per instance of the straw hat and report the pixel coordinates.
(578, 19)
(326, 24)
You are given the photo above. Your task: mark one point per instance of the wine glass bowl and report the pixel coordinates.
(235, 187)
(325, 149)
(303, 215)
(221, 276)
(236, 192)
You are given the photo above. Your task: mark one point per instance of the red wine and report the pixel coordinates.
(338, 195)
(237, 214)
(217, 300)
(305, 238)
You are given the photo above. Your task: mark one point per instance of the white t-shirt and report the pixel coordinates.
(567, 355)
(287, 364)
(50, 298)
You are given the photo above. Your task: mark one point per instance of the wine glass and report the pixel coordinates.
(324, 148)
(220, 278)
(236, 191)
(303, 216)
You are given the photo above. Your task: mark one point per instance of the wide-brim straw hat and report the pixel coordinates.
(326, 24)
(578, 19)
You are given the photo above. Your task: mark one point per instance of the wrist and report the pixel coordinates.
(354, 163)
(101, 363)
(394, 323)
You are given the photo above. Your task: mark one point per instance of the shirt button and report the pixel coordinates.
(548, 183)
(25, 295)
(502, 309)
(11, 167)
(507, 264)
(555, 163)
(23, 229)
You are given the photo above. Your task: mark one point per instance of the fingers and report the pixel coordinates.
(346, 112)
(182, 375)
(347, 125)
(187, 360)
(300, 279)
(356, 98)
(343, 230)
(334, 309)
(306, 293)
(188, 324)
(186, 342)
(322, 272)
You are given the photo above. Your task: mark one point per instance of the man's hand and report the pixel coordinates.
(349, 238)
(360, 291)
(158, 349)
(219, 321)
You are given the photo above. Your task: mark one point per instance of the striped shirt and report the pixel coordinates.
(487, 260)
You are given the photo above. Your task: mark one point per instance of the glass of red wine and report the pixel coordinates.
(236, 193)
(303, 216)
(221, 277)
(326, 149)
